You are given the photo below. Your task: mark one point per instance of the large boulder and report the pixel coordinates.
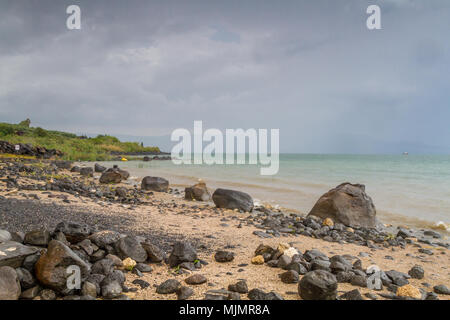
(318, 285)
(12, 253)
(347, 204)
(51, 268)
(232, 199)
(197, 192)
(155, 184)
(105, 238)
(9, 284)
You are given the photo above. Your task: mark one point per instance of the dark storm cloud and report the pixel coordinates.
(310, 68)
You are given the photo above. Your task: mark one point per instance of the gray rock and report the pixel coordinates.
(168, 287)
(31, 293)
(441, 289)
(111, 290)
(318, 285)
(196, 279)
(240, 287)
(184, 293)
(89, 289)
(5, 236)
(232, 199)
(26, 279)
(154, 253)
(290, 276)
(224, 256)
(352, 295)
(157, 184)
(182, 252)
(347, 204)
(12, 253)
(75, 232)
(37, 238)
(416, 272)
(9, 284)
(130, 247)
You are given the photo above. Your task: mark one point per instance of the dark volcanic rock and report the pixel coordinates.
(154, 253)
(232, 199)
(240, 287)
(37, 237)
(87, 172)
(130, 247)
(182, 252)
(75, 232)
(416, 272)
(224, 256)
(168, 286)
(99, 168)
(318, 285)
(290, 276)
(347, 204)
(14, 253)
(441, 289)
(196, 279)
(112, 176)
(157, 184)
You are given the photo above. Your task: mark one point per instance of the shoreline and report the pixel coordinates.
(165, 218)
(182, 181)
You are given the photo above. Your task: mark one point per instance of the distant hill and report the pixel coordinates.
(74, 147)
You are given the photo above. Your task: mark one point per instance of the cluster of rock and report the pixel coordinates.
(318, 275)
(29, 150)
(36, 265)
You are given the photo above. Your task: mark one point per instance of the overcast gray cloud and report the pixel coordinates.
(310, 68)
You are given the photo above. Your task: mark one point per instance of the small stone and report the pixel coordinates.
(112, 289)
(196, 279)
(168, 286)
(352, 295)
(328, 222)
(142, 267)
(240, 287)
(224, 256)
(184, 293)
(89, 289)
(290, 276)
(257, 260)
(441, 289)
(9, 284)
(141, 283)
(318, 285)
(47, 294)
(416, 272)
(128, 264)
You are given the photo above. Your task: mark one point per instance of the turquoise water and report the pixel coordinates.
(412, 189)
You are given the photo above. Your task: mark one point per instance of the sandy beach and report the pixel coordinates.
(165, 218)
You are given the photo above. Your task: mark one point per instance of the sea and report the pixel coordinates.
(411, 190)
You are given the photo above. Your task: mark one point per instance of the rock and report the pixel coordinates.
(168, 286)
(89, 289)
(87, 172)
(141, 283)
(47, 294)
(99, 168)
(182, 252)
(431, 296)
(5, 236)
(130, 247)
(111, 290)
(262, 249)
(352, 295)
(37, 238)
(128, 264)
(9, 284)
(142, 267)
(232, 199)
(197, 192)
(13, 254)
(121, 192)
(104, 238)
(290, 276)
(441, 289)
(359, 280)
(409, 291)
(51, 268)
(117, 262)
(103, 266)
(258, 294)
(224, 256)
(75, 232)
(313, 254)
(328, 222)
(298, 267)
(290, 252)
(371, 296)
(196, 279)
(416, 272)
(146, 159)
(347, 204)
(26, 279)
(30, 293)
(184, 293)
(257, 260)
(112, 176)
(221, 295)
(284, 261)
(318, 285)
(155, 184)
(240, 287)
(154, 253)
(398, 278)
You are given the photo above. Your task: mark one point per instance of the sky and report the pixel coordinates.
(312, 69)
